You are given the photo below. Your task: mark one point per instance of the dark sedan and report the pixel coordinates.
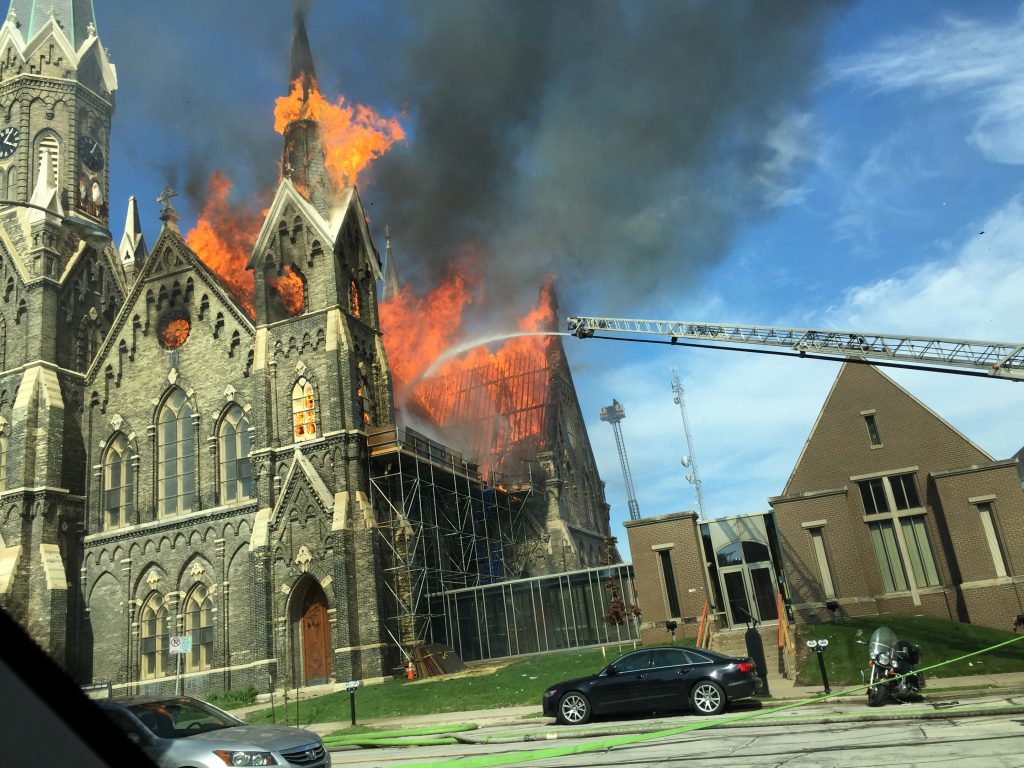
(655, 679)
(181, 731)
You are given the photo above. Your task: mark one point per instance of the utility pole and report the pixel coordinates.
(614, 414)
(689, 461)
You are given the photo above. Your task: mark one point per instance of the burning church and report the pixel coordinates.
(227, 437)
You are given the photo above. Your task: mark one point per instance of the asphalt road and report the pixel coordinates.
(995, 741)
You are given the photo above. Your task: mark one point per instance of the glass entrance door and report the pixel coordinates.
(749, 593)
(737, 595)
(763, 582)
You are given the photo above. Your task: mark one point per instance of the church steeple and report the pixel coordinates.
(304, 160)
(75, 17)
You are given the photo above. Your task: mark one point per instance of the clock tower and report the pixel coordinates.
(61, 285)
(56, 97)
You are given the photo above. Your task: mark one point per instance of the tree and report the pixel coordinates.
(618, 612)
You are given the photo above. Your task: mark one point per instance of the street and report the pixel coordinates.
(990, 740)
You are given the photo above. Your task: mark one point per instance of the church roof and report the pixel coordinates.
(74, 17)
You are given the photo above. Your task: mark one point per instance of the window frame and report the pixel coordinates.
(986, 514)
(304, 414)
(120, 447)
(198, 605)
(160, 624)
(828, 584)
(184, 476)
(669, 582)
(234, 469)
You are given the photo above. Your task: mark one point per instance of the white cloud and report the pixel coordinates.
(979, 60)
(750, 414)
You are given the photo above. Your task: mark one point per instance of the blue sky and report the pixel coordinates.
(841, 165)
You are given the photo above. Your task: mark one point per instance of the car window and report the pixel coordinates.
(125, 722)
(668, 657)
(698, 658)
(634, 661)
(176, 718)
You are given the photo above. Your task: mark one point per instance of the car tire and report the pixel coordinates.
(707, 698)
(573, 709)
(876, 696)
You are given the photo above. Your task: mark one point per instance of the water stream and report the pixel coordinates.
(465, 346)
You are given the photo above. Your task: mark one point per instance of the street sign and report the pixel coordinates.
(179, 644)
(351, 685)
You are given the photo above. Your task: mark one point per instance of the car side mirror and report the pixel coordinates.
(612, 670)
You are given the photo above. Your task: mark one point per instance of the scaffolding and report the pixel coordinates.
(441, 527)
(501, 408)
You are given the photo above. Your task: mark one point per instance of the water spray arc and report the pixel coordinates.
(689, 461)
(614, 414)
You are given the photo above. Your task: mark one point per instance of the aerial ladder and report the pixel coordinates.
(614, 414)
(995, 359)
(689, 460)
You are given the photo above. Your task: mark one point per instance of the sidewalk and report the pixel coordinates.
(782, 691)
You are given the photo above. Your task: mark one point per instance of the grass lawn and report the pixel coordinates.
(939, 640)
(518, 682)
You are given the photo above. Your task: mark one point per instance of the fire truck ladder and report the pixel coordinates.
(1004, 360)
(614, 414)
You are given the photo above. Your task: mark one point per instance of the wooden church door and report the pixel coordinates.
(316, 636)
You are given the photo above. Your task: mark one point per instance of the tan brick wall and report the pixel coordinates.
(950, 471)
(680, 530)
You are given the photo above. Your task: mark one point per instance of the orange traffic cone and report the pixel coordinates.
(410, 672)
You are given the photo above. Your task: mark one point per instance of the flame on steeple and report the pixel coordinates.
(325, 145)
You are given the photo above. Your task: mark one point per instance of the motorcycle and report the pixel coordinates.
(892, 663)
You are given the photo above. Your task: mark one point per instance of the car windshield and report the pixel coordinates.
(181, 717)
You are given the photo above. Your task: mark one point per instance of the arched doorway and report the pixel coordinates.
(313, 633)
(748, 582)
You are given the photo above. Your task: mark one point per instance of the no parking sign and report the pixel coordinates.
(179, 644)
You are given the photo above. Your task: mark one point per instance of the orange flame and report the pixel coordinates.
(223, 237)
(492, 401)
(352, 136)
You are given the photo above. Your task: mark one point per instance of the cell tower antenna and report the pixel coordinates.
(689, 461)
(614, 414)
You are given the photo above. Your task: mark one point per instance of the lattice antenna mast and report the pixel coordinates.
(614, 414)
(689, 461)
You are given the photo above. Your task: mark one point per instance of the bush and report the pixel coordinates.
(234, 699)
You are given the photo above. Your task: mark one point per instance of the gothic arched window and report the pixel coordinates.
(354, 293)
(48, 141)
(303, 410)
(118, 483)
(234, 449)
(153, 634)
(177, 454)
(199, 626)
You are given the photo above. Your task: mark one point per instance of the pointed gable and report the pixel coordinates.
(303, 493)
(905, 433)
(173, 273)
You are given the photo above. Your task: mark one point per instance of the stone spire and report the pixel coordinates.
(75, 17)
(133, 245)
(304, 160)
(392, 285)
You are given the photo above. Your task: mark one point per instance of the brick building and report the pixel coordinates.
(177, 462)
(890, 509)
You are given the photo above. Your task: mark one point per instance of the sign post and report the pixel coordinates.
(179, 645)
(351, 686)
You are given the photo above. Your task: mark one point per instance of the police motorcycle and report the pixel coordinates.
(892, 663)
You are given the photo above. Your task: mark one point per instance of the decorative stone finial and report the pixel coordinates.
(153, 579)
(197, 571)
(304, 558)
(90, 29)
(12, 17)
(168, 215)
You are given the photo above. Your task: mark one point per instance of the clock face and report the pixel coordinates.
(174, 331)
(8, 141)
(90, 153)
